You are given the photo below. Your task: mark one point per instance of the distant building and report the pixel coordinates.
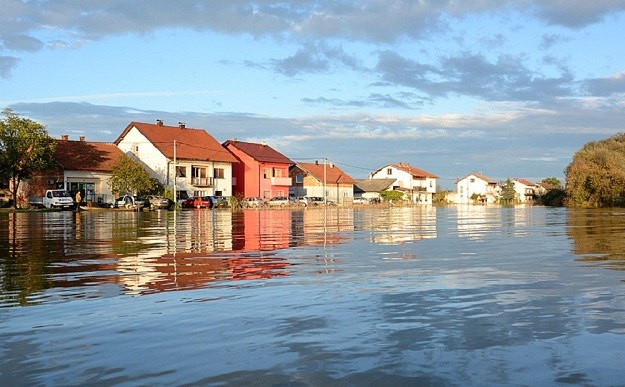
(261, 171)
(418, 185)
(477, 188)
(192, 158)
(309, 180)
(371, 188)
(526, 191)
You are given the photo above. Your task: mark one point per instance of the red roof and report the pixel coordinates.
(333, 174)
(525, 182)
(416, 172)
(191, 144)
(260, 152)
(86, 155)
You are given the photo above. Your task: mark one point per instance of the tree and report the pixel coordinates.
(596, 176)
(552, 181)
(392, 195)
(128, 176)
(25, 148)
(508, 194)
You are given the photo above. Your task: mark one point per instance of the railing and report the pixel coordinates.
(202, 181)
(284, 181)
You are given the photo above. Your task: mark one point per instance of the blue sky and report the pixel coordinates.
(505, 88)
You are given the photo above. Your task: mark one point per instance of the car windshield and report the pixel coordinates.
(60, 194)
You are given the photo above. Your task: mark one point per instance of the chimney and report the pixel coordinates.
(81, 138)
(64, 137)
(159, 122)
(181, 125)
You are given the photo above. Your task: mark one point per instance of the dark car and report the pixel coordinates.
(198, 202)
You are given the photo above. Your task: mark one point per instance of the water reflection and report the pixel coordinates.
(597, 236)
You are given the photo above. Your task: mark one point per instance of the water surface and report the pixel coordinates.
(387, 296)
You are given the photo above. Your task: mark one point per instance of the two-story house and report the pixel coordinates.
(190, 159)
(476, 188)
(261, 171)
(526, 191)
(418, 185)
(310, 179)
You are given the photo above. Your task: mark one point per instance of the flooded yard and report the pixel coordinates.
(378, 296)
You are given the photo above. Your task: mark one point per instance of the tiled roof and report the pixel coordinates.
(86, 155)
(373, 185)
(191, 144)
(525, 182)
(416, 172)
(333, 174)
(260, 152)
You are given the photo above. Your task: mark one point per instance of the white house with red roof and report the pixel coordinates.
(477, 188)
(310, 179)
(417, 184)
(191, 158)
(526, 191)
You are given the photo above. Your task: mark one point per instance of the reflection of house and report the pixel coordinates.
(525, 190)
(309, 179)
(417, 184)
(476, 188)
(80, 165)
(261, 171)
(202, 166)
(371, 188)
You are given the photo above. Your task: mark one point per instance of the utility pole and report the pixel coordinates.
(325, 177)
(175, 175)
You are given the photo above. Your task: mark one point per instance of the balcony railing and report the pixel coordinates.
(284, 181)
(202, 181)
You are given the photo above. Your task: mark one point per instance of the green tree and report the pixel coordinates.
(129, 176)
(508, 194)
(552, 181)
(596, 176)
(25, 148)
(392, 195)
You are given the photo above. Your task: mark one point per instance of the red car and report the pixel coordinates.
(198, 202)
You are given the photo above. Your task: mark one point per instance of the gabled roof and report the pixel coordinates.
(481, 177)
(525, 182)
(413, 171)
(191, 144)
(373, 185)
(333, 174)
(262, 153)
(547, 186)
(86, 155)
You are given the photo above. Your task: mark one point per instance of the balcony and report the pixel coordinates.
(283, 181)
(202, 181)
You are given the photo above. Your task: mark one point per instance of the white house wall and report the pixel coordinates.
(135, 143)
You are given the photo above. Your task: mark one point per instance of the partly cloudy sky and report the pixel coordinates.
(505, 88)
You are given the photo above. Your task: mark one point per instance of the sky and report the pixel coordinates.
(504, 88)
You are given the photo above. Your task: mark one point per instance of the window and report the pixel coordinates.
(218, 173)
(277, 172)
(280, 193)
(266, 195)
(181, 171)
(299, 178)
(266, 173)
(389, 171)
(472, 180)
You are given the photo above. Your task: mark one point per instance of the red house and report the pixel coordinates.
(261, 171)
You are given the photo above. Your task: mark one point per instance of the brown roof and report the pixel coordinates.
(86, 155)
(260, 152)
(416, 172)
(481, 177)
(191, 144)
(373, 185)
(333, 174)
(525, 182)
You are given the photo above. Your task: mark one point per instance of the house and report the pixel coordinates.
(261, 171)
(310, 179)
(418, 185)
(476, 188)
(526, 191)
(190, 159)
(371, 188)
(81, 165)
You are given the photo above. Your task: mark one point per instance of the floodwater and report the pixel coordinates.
(317, 297)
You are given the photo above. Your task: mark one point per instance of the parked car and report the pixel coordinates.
(361, 200)
(252, 202)
(128, 201)
(314, 200)
(158, 201)
(302, 200)
(278, 201)
(198, 202)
